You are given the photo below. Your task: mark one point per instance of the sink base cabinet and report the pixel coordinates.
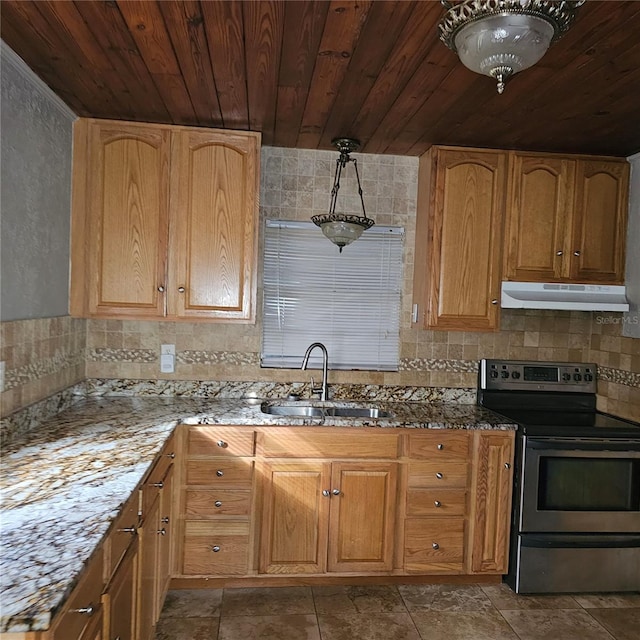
(284, 505)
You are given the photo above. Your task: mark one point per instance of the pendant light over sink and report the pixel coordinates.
(343, 228)
(501, 37)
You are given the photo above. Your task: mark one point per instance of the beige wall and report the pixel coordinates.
(295, 185)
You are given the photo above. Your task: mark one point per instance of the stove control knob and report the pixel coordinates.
(515, 375)
(566, 377)
(493, 374)
(588, 377)
(577, 377)
(505, 374)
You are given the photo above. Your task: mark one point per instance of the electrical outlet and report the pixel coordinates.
(168, 349)
(167, 363)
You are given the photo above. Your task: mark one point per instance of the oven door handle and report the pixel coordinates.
(629, 447)
(576, 541)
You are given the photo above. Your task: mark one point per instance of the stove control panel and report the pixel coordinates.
(522, 375)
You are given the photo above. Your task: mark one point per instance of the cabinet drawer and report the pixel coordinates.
(216, 547)
(218, 502)
(220, 472)
(220, 441)
(436, 502)
(434, 474)
(445, 445)
(87, 594)
(328, 443)
(122, 536)
(434, 544)
(230, 559)
(150, 490)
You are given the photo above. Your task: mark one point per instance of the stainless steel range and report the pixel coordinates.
(576, 518)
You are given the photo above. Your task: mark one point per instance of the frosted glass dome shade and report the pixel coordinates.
(503, 44)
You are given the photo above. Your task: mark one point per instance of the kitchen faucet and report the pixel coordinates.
(324, 389)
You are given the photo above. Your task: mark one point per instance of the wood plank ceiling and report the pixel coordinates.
(304, 72)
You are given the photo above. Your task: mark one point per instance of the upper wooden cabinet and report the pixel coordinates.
(164, 222)
(461, 195)
(566, 219)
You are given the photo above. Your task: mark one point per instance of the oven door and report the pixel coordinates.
(580, 485)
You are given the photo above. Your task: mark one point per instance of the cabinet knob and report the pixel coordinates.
(438, 503)
(165, 520)
(181, 289)
(326, 493)
(440, 447)
(86, 611)
(171, 455)
(161, 289)
(162, 532)
(494, 301)
(131, 530)
(435, 545)
(336, 492)
(219, 473)
(439, 476)
(559, 253)
(507, 465)
(215, 548)
(157, 485)
(222, 443)
(576, 254)
(218, 503)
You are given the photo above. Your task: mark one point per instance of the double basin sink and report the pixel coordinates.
(331, 411)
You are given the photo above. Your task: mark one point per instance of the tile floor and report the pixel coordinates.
(405, 612)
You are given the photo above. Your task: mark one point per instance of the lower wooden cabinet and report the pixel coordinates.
(119, 599)
(320, 516)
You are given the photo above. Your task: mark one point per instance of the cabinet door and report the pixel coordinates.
(119, 600)
(165, 534)
(214, 225)
(295, 517)
(362, 520)
(120, 219)
(491, 489)
(600, 220)
(148, 571)
(463, 248)
(540, 199)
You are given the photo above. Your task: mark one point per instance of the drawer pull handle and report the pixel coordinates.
(218, 503)
(171, 455)
(219, 473)
(86, 611)
(507, 465)
(165, 520)
(440, 447)
(215, 548)
(162, 532)
(222, 443)
(326, 493)
(438, 503)
(439, 476)
(157, 485)
(131, 530)
(435, 546)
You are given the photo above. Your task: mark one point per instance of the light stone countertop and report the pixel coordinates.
(63, 485)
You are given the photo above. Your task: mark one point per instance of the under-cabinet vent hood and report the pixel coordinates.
(570, 297)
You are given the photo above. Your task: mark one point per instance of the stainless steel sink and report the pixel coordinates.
(308, 411)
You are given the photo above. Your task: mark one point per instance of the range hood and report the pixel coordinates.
(569, 297)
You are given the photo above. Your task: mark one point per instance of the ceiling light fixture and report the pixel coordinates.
(498, 38)
(343, 228)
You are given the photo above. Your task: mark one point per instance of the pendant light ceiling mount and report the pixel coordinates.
(498, 38)
(343, 228)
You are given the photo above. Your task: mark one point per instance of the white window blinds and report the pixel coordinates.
(349, 301)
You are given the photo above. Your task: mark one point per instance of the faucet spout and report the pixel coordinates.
(323, 390)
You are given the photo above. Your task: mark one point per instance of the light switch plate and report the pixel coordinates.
(169, 349)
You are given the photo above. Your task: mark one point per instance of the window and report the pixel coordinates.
(349, 301)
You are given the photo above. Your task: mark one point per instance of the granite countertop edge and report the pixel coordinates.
(88, 460)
